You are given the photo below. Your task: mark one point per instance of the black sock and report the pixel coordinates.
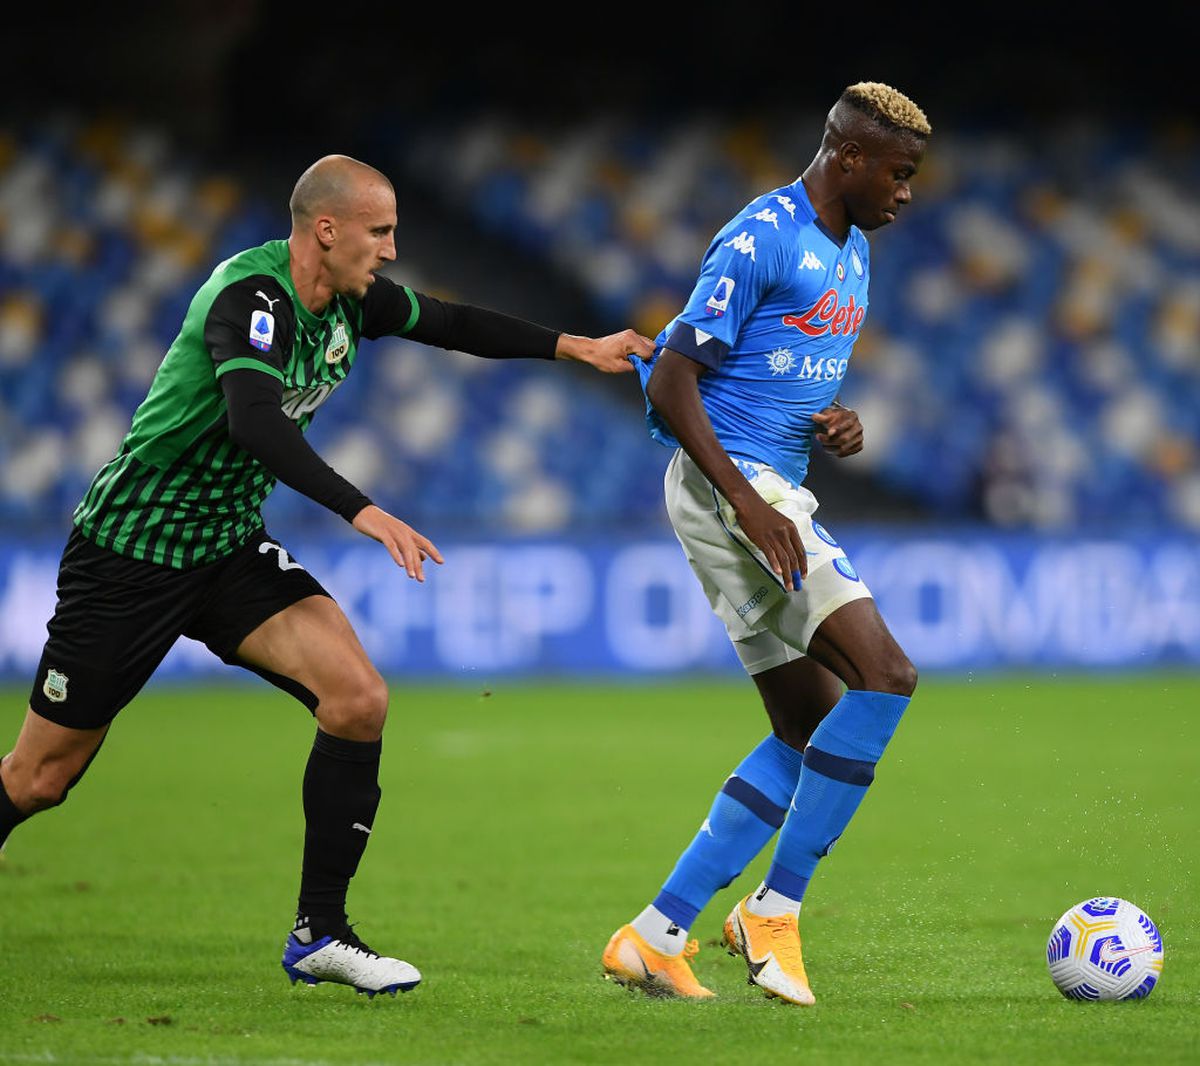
(341, 795)
(10, 815)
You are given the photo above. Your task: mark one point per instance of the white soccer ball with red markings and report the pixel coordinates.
(1105, 948)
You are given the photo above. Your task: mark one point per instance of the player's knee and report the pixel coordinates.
(794, 734)
(44, 788)
(359, 709)
(897, 676)
(885, 670)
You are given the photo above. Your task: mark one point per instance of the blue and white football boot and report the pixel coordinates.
(344, 959)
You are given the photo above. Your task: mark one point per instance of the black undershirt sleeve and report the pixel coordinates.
(389, 308)
(257, 425)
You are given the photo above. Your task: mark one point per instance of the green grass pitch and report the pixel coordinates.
(143, 921)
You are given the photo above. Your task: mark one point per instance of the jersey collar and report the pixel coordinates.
(802, 196)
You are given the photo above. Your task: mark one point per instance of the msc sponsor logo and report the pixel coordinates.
(781, 361)
(829, 369)
(828, 315)
(753, 602)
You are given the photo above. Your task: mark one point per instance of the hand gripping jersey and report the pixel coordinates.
(180, 492)
(774, 316)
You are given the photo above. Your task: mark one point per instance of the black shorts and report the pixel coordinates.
(117, 618)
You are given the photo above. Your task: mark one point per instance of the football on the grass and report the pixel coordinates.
(1105, 948)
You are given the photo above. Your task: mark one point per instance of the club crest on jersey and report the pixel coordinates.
(55, 686)
(339, 345)
(262, 330)
(718, 302)
(856, 262)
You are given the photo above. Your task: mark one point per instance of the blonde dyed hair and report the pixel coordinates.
(887, 106)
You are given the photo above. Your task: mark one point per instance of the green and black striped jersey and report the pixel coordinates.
(180, 492)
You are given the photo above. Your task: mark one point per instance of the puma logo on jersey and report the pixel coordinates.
(270, 303)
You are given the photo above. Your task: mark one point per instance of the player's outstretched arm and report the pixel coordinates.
(843, 432)
(609, 355)
(674, 391)
(408, 547)
(394, 309)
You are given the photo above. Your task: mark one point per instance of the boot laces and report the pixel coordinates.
(786, 938)
(351, 939)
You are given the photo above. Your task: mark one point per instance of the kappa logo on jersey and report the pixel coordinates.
(262, 330)
(767, 215)
(828, 316)
(718, 302)
(786, 203)
(55, 686)
(270, 303)
(743, 243)
(339, 345)
(856, 262)
(811, 262)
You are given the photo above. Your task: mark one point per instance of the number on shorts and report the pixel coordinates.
(285, 561)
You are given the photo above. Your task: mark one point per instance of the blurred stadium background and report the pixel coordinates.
(1029, 377)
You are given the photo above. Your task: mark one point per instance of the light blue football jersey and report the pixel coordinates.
(774, 316)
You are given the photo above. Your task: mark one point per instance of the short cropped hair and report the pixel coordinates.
(887, 106)
(328, 184)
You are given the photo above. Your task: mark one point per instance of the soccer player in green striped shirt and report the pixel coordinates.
(169, 539)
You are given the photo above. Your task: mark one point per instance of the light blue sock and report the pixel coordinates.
(839, 764)
(749, 808)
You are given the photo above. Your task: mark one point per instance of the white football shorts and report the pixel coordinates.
(768, 625)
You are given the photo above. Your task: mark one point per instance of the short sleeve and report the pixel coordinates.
(743, 263)
(388, 309)
(250, 326)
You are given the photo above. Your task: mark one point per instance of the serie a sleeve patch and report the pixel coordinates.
(262, 330)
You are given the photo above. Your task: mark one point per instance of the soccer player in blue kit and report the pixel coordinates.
(743, 381)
